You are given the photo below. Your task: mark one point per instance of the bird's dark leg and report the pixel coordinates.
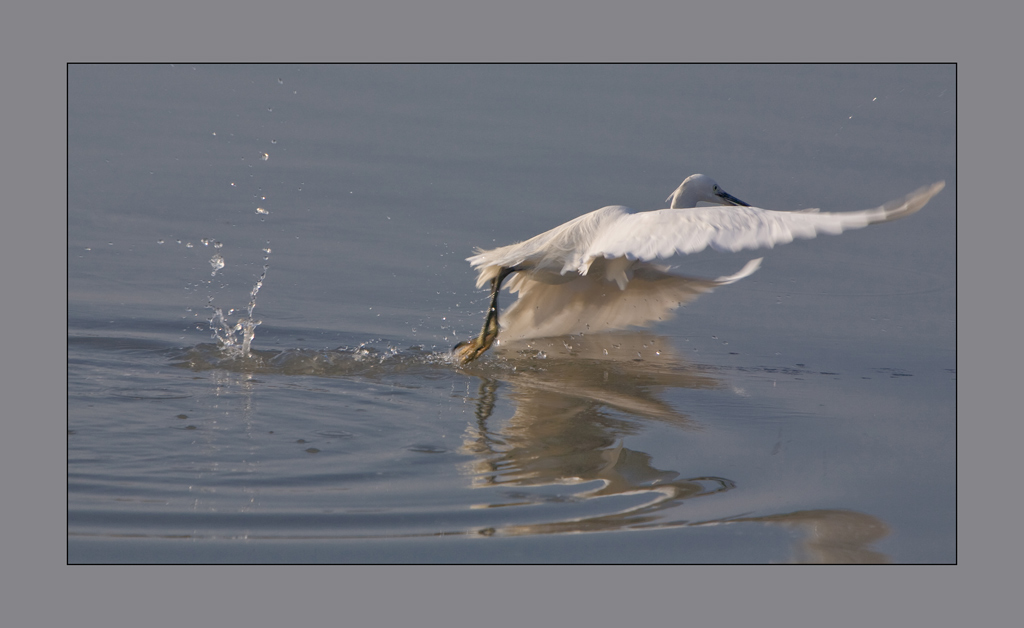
(466, 352)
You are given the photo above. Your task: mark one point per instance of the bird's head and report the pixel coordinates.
(697, 188)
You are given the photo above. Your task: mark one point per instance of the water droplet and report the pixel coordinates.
(217, 262)
(264, 156)
(159, 241)
(260, 210)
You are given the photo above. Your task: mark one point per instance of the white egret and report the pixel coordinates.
(595, 273)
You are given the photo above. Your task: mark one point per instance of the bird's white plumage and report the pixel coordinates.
(616, 231)
(591, 303)
(564, 274)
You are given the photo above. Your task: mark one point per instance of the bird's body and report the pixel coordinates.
(596, 272)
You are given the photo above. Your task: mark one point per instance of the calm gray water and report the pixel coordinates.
(804, 414)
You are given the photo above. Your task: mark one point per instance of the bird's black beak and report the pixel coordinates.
(730, 199)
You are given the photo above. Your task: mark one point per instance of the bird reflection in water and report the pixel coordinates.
(573, 408)
(830, 536)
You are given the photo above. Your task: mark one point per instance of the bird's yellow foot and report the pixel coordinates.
(466, 352)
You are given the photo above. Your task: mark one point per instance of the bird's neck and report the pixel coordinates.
(682, 198)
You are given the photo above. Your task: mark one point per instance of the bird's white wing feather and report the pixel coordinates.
(552, 253)
(590, 303)
(660, 234)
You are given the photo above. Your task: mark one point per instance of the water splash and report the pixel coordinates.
(235, 340)
(371, 359)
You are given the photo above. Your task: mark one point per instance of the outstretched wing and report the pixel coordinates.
(647, 236)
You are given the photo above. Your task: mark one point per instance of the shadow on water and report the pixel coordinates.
(575, 399)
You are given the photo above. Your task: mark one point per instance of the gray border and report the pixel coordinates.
(37, 41)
